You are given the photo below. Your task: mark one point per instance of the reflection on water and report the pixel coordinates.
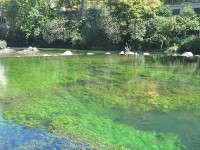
(2, 76)
(198, 66)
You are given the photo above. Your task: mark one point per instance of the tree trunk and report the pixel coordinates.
(82, 10)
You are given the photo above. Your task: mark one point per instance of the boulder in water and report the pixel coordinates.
(122, 53)
(187, 54)
(46, 55)
(29, 50)
(146, 54)
(130, 53)
(90, 54)
(67, 53)
(7, 51)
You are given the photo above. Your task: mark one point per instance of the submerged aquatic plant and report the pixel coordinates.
(87, 100)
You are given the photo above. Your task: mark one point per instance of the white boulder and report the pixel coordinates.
(29, 50)
(187, 54)
(46, 55)
(130, 53)
(107, 53)
(122, 53)
(67, 53)
(7, 51)
(146, 54)
(89, 53)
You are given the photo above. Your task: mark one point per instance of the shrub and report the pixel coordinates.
(172, 49)
(191, 44)
(3, 44)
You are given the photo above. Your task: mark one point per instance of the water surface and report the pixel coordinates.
(102, 102)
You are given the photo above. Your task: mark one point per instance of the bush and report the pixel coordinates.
(3, 44)
(172, 49)
(190, 44)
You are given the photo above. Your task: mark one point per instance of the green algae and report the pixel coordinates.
(75, 96)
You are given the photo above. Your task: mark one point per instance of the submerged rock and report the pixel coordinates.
(67, 53)
(187, 54)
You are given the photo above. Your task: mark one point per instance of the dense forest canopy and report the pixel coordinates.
(98, 23)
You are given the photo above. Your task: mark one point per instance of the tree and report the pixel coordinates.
(32, 17)
(188, 21)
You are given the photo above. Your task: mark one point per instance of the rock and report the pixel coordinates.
(7, 51)
(187, 54)
(67, 53)
(122, 53)
(130, 53)
(29, 50)
(35, 49)
(46, 55)
(175, 54)
(107, 53)
(89, 53)
(197, 55)
(136, 54)
(146, 54)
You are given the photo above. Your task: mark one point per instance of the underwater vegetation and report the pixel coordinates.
(88, 98)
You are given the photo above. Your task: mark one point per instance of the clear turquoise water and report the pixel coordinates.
(155, 94)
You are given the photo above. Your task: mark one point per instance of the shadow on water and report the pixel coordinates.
(183, 123)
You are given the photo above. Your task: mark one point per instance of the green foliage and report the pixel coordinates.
(137, 30)
(3, 44)
(172, 49)
(190, 44)
(56, 30)
(31, 17)
(110, 25)
(188, 21)
(99, 23)
(161, 31)
(164, 11)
